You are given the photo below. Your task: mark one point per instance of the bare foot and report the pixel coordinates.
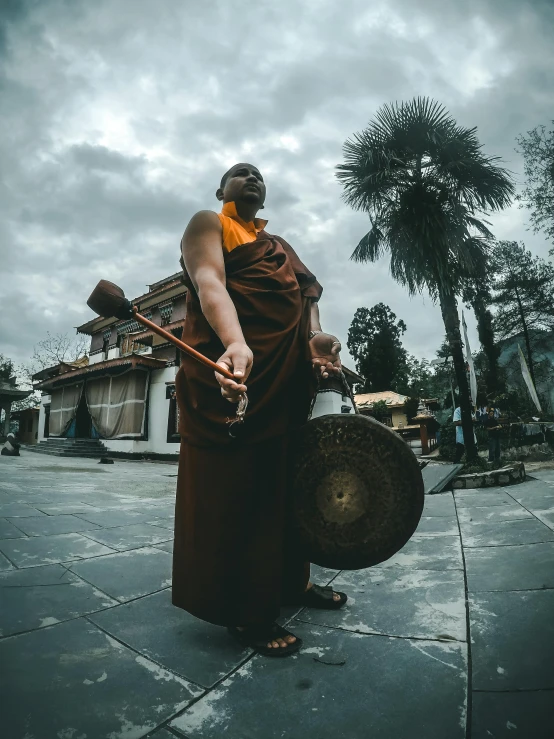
(278, 642)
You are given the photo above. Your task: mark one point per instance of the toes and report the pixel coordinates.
(291, 639)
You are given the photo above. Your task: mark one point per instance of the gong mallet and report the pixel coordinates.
(108, 300)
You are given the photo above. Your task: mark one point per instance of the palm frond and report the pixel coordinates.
(426, 185)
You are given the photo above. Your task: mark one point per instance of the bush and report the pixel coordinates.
(447, 446)
(477, 465)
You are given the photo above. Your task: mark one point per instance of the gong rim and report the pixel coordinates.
(357, 492)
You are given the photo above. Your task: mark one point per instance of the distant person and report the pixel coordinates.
(460, 445)
(11, 447)
(493, 430)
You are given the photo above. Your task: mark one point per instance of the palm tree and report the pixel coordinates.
(426, 185)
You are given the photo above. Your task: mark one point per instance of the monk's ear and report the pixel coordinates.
(219, 194)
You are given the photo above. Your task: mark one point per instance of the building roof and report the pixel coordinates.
(108, 367)
(392, 399)
(61, 368)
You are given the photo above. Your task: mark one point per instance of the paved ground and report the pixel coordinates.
(92, 647)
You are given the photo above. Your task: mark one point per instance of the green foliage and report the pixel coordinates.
(537, 148)
(410, 408)
(447, 444)
(475, 465)
(7, 369)
(424, 182)
(380, 410)
(426, 186)
(374, 342)
(477, 294)
(523, 290)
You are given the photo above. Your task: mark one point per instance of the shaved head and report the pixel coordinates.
(233, 168)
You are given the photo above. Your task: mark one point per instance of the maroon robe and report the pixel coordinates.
(233, 561)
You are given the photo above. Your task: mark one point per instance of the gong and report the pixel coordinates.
(357, 492)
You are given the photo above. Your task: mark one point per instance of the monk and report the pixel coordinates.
(252, 308)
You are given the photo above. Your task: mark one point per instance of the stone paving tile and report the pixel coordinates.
(498, 513)
(546, 516)
(114, 518)
(5, 563)
(166, 546)
(428, 553)
(128, 575)
(398, 602)
(539, 495)
(322, 575)
(8, 530)
(526, 715)
(512, 637)
(526, 567)
(54, 509)
(343, 699)
(29, 499)
(164, 523)
(48, 525)
(43, 550)
(192, 648)
(472, 499)
(437, 526)
(108, 690)
(162, 511)
(42, 596)
(130, 537)
(528, 531)
(9, 510)
(439, 505)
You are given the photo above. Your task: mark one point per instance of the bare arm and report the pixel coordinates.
(325, 348)
(201, 247)
(203, 257)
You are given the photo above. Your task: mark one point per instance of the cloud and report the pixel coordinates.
(119, 118)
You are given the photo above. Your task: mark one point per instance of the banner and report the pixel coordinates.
(528, 381)
(469, 358)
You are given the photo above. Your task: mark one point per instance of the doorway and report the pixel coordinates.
(83, 420)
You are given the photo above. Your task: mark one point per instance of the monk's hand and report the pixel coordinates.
(325, 350)
(238, 359)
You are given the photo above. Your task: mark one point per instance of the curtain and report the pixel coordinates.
(63, 407)
(118, 404)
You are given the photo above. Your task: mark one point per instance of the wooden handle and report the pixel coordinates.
(184, 347)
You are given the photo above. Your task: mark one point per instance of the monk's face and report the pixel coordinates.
(245, 184)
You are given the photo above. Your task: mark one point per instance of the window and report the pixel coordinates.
(165, 313)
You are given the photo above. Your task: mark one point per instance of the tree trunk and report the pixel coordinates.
(486, 339)
(526, 337)
(449, 311)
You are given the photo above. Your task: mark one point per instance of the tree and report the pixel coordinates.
(476, 293)
(56, 348)
(16, 377)
(537, 148)
(374, 342)
(523, 294)
(426, 185)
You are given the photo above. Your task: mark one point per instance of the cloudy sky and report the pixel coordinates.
(118, 117)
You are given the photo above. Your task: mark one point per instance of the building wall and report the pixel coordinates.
(45, 400)
(398, 416)
(26, 435)
(158, 414)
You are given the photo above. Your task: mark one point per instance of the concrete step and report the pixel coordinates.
(58, 447)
